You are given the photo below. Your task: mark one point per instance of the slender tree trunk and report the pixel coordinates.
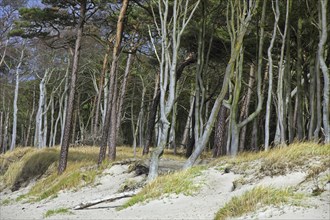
(245, 108)
(236, 45)
(69, 112)
(113, 71)
(325, 71)
(5, 133)
(270, 80)
(123, 88)
(312, 104)
(30, 120)
(281, 108)
(300, 126)
(1, 128)
(65, 95)
(152, 117)
(14, 131)
(187, 128)
(220, 133)
(99, 95)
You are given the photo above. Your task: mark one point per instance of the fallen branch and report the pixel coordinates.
(108, 199)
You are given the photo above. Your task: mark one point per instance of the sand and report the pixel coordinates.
(216, 190)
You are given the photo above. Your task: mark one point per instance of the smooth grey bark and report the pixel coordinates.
(181, 15)
(15, 109)
(187, 128)
(236, 47)
(276, 11)
(123, 88)
(281, 108)
(325, 71)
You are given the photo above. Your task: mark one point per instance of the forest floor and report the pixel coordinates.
(217, 187)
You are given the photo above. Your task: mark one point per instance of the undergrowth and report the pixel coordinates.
(176, 183)
(256, 198)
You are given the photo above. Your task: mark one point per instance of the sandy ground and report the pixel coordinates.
(215, 192)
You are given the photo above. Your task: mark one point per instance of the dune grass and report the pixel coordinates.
(256, 198)
(57, 212)
(176, 183)
(279, 159)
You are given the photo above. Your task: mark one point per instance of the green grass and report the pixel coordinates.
(176, 183)
(256, 198)
(57, 212)
(6, 202)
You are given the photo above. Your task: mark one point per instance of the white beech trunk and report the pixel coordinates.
(270, 71)
(325, 71)
(14, 131)
(181, 14)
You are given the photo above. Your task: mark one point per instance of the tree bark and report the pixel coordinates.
(245, 108)
(14, 131)
(299, 95)
(270, 79)
(325, 71)
(220, 133)
(69, 112)
(107, 131)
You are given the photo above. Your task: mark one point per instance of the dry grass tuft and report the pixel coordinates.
(256, 198)
(176, 183)
(277, 161)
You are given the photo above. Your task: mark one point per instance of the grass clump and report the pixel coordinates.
(6, 202)
(256, 198)
(57, 212)
(72, 178)
(278, 160)
(176, 183)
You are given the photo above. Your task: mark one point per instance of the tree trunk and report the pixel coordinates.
(152, 117)
(236, 47)
(312, 106)
(220, 133)
(281, 108)
(245, 108)
(187, 128)
(69, 112)
(111, 92)
(270, 80)
(300, 126)
(121, 97)
(99, 95)
(325, 71)
(14, 131)
(1, 128)
(5, 133)
(28, 133)
(65, 95)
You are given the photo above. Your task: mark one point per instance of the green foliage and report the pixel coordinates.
(57, 212)
(257, 198)
(176, 183)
